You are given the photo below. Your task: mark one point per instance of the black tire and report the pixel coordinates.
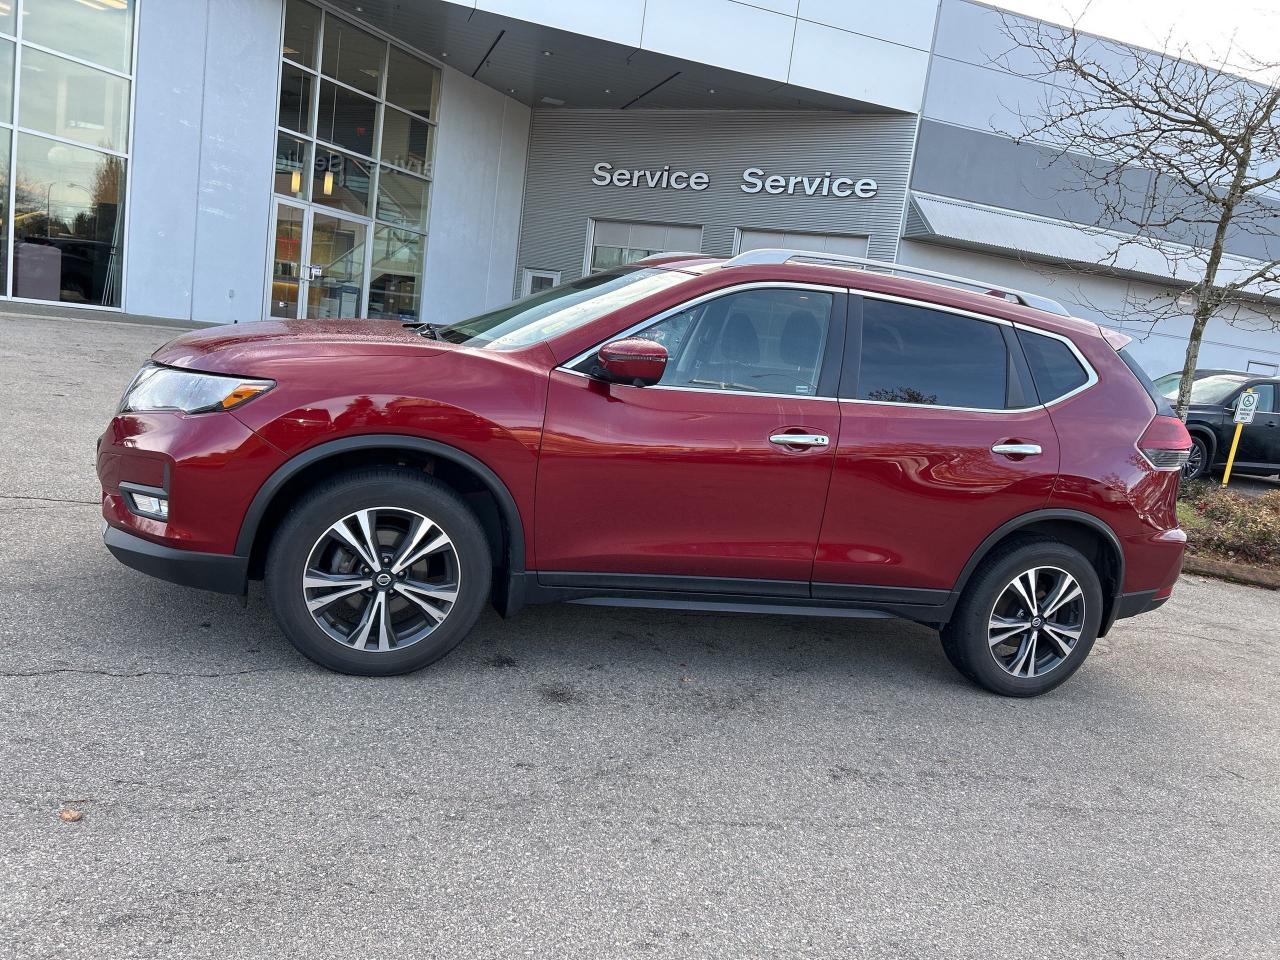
(966, 638)
(1199, 460)
(398, 489)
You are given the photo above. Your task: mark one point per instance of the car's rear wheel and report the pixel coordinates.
(378, 572)
(1197, 464)
(1027, 619)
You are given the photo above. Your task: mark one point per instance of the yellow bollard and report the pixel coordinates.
(1231, 457)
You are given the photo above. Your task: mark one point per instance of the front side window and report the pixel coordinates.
(550, 313)
(769, 340)
(1266, 397)
(921, 356)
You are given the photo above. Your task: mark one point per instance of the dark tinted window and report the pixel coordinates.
(1054, 367)
(1266, 397)
(916, 355)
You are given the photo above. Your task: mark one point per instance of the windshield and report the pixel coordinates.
(547, 313)
(1209, 390)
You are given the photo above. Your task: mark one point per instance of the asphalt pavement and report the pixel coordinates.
(582, 782)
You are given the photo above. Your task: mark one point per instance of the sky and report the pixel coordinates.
(1208, 27)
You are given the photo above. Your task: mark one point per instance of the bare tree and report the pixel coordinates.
(1178, 159)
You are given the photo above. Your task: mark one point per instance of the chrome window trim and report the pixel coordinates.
(1092, 375)
(721, 393)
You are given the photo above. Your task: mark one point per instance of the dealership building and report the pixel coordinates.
(221, 161)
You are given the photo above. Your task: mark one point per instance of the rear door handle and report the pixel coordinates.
(800, 439)
(1018, 449)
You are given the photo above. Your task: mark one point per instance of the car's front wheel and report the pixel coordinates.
(378, 572)
(1027, 618)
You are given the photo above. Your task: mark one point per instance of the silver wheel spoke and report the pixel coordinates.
(1026, 657)
(337, 585)
(368, 521)
(435, 545)
(421, 527)
(1063, 638)
(420, 596)
(1066, 591)
(1027, 590)
(446, 593)
(372, 616)
(1002, 628)
(343, 533)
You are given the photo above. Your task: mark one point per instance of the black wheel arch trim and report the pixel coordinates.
(386, 441)
(1206, 433)
(1038, 516)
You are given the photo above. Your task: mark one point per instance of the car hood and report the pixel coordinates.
(243, 348)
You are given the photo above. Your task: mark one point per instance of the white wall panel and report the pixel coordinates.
(908, 22)
(475, 199)
(722, 33)
(618, 20)
(164, 174)
(852, 65)
(242, 62)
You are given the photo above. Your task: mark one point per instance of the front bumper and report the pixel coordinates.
(205, 571)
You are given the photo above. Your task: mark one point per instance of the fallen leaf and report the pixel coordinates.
(70, 816)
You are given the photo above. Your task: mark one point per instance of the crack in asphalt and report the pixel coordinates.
(140, 673)
(11, 496)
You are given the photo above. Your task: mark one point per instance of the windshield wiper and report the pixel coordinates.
(429, 330)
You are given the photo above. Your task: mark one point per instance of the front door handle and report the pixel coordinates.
(1018, 449)
(800, 439)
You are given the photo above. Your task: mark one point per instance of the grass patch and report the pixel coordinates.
(1224, 525)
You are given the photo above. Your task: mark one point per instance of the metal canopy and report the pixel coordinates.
(543, 67)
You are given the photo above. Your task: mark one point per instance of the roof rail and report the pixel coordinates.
(775, 256)
(673, 253)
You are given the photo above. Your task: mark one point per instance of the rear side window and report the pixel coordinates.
(916, 355)
(1054, 368)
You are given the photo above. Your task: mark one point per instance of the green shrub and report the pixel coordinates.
(1228, 526)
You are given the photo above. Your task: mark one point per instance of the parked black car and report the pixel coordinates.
(1209, 420)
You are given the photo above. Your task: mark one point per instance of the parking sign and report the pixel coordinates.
(1246, 407)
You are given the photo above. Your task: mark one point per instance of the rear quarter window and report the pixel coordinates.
(1054, 366)
(1163, 406)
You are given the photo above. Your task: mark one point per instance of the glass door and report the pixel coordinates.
(286, 261)
(318, 264)
(335, 273)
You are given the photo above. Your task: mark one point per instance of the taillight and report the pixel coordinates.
(1166, 443)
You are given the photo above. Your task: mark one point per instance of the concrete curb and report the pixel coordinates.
(1239, 572)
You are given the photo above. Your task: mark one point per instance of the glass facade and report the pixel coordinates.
(66, 83)
(353, 170)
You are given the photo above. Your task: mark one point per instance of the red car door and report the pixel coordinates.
(720, 471)
(942, 440)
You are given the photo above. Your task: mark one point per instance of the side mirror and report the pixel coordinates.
(634, 361)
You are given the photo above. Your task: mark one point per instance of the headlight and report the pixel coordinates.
(164, 388)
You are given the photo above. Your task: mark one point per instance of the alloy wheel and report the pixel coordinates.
(1195, 461)
(1036, 622)
(381, 579)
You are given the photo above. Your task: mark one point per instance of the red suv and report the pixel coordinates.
(776, 433)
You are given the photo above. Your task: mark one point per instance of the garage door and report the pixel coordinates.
(843, 244)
